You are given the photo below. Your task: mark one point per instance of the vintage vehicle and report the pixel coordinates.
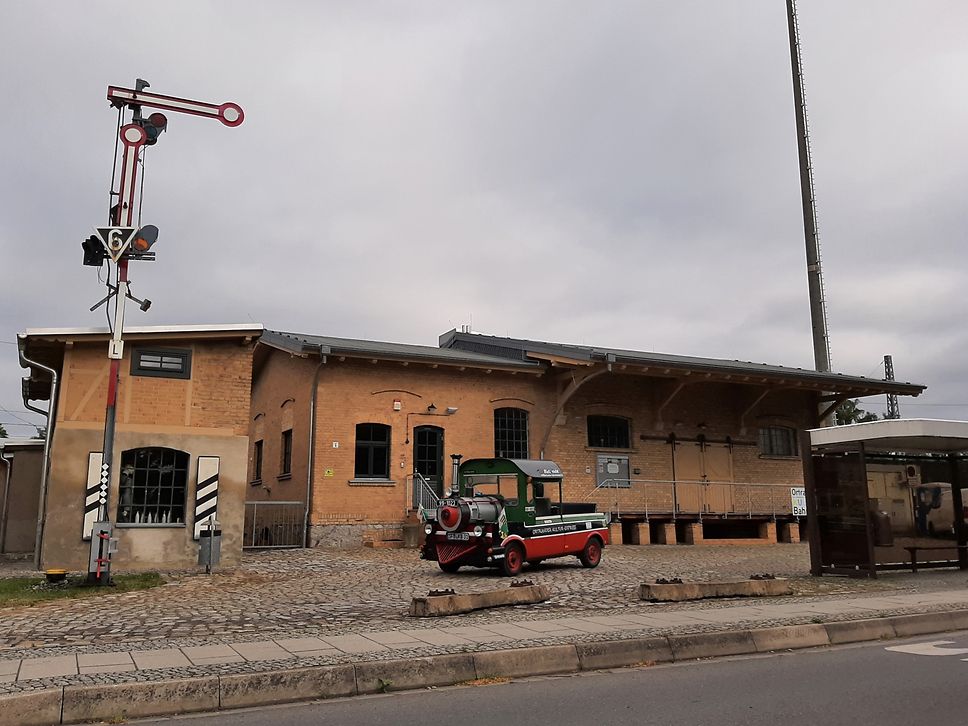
(505, 512)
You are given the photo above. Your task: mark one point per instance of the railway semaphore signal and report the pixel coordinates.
(124, 239)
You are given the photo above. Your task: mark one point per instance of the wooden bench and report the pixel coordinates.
(914, 549)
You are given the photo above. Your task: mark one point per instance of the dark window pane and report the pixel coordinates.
(153, 484)
(372, 451)
(778, 441)
(511, 433)
(609, 432)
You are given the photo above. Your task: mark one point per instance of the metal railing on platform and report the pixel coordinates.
(421, 495)
(274, 525)
(700, 498)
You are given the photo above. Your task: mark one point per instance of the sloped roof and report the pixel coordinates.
(301, 343)
(522, 349)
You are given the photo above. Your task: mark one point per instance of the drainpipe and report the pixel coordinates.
(25, 362)
(8, 460)
(311, 463)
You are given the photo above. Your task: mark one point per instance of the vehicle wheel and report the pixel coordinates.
(513, 559)
(450, 568)
(592, 554)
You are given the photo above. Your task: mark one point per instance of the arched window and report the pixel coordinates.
(153, 484)
(608, 432)
(372, 451)
(511, 433)
(778, 441)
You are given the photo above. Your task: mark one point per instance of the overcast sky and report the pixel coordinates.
(615, 173)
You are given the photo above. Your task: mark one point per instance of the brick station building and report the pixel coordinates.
(181, 441)
(678, 448)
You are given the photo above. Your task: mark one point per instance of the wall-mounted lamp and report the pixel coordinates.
(451, 410)
(431, 408)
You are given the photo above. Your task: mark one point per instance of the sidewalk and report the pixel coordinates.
(207, 644)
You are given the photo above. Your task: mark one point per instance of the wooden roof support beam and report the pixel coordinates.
(668, 399)
(578, 379)
(749, 409)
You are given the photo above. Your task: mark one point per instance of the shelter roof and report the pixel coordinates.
(908, 435)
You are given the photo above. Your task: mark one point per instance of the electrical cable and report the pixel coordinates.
(141, 195)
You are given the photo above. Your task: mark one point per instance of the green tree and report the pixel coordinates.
(850, 412)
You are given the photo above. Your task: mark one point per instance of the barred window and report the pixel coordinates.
(511, 433)
(608, 432)
(161, 363)
(153, 484)
(778, 441)
(372, 451)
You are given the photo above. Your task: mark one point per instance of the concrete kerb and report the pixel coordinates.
(74, 704)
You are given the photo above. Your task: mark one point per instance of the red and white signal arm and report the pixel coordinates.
(115, 239)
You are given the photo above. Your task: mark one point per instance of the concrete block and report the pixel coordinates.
(615, 533)
(640, 533)
(138, 700)
(711, 645)
(527, 661)
(620, 653)
(425, 607)
(676, 592)
(298, 684)
(923, 623)
(854, 631)
(959, 619)
(35, 708)
(395, 675)
(790, 636)
(665, 533)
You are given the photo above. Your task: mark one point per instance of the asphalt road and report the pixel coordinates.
(907, 682)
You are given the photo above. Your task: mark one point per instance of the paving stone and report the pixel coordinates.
(165, 658)
(8, 667)
(89, 660)
(61, 665)
(436, 637)
(298, 645)
(393, 639)
(354, 643)
(261, 650)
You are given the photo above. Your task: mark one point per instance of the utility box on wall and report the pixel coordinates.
(612, 471)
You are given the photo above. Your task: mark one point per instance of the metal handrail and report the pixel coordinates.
(421, 493)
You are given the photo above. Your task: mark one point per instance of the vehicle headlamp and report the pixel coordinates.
(428, 528)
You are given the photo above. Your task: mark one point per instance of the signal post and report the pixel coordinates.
(121, 242)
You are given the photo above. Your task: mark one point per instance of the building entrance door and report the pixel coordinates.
(688, 475)
(428, 456)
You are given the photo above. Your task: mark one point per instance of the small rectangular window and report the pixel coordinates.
(286, 462)
(161, 363)
(372, 451)
(257, 462)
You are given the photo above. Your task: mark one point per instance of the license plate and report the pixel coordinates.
(460, 536)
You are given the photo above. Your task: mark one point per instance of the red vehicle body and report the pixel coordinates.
(498, 515)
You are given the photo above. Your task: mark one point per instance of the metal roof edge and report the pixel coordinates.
(146, 330)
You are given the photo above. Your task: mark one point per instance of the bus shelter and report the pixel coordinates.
(886, 495)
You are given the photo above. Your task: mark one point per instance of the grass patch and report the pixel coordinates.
(18, 591)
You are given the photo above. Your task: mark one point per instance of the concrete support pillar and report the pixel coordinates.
(665, 533)
(768, 531)
(694, 533)
(790, 532)
(615, 533)
(640, 535)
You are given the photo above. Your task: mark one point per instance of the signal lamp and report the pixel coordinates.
(94, 252)
(153, 126)
(142, 241)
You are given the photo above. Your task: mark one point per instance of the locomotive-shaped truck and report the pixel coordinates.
(505, 512)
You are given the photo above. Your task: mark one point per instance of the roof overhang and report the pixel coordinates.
(910, 436)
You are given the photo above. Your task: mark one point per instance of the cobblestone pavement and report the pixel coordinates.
(290, 593)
